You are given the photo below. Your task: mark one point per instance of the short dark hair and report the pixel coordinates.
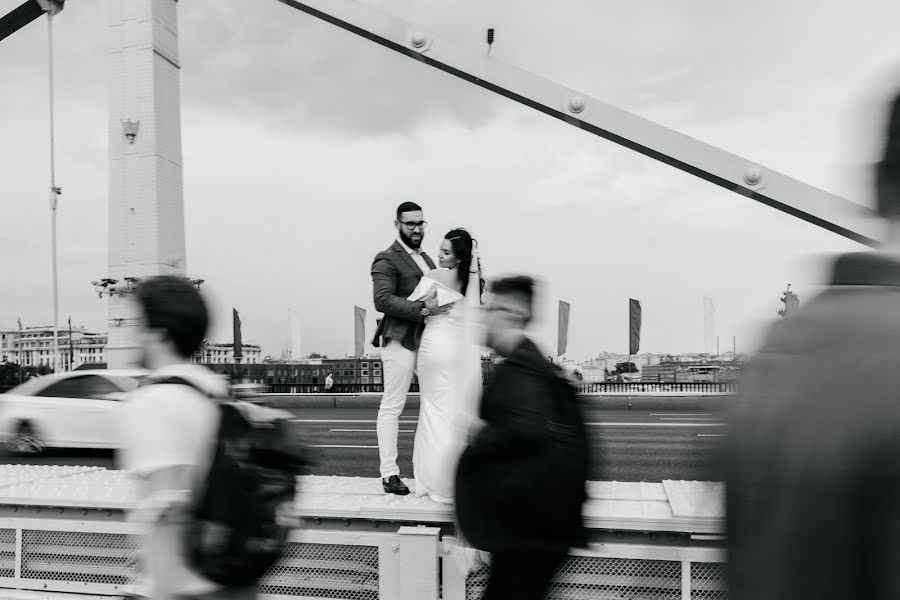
(888, 170)
(174, 306)
(407, 207)
(521, 285)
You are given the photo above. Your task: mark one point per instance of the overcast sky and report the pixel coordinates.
(300, 139)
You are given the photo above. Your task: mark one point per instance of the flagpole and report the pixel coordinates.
(20, 350)
(54, 198)
(71, 347)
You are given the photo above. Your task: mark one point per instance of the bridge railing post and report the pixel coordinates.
(409, 571)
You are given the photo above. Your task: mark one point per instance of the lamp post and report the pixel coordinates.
(55, 192)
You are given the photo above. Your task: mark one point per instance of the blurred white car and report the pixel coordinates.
(78, 409)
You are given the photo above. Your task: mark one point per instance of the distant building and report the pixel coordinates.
(305, 375)
(224, 354)
(34, 347)
(299, 375)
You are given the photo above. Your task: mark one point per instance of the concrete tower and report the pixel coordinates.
(146, 209)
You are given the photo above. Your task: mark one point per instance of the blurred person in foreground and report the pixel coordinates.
(813, 457)
(521, 481)
(171, 432)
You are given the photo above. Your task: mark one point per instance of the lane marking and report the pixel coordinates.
(597, 424)
(680, 414)
(711, 435)
(614, 424)
(372, 430)
(338, 446)
(402, 422)
(690, 418)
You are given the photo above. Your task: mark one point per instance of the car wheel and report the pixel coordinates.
(25, 442)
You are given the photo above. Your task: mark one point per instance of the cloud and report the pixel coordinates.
(300, 139)
(285, 68)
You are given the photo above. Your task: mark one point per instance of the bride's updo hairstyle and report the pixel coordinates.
(462, 244)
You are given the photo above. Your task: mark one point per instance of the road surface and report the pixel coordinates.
(626, 445)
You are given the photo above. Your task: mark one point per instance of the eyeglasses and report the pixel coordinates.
(411, 225)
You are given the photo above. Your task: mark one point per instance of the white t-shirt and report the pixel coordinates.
(165, 426)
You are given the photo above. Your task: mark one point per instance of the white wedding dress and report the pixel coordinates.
(449, 370)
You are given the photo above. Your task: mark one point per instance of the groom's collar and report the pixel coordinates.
(407, 248)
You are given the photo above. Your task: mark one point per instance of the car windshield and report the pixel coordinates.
(72, 386)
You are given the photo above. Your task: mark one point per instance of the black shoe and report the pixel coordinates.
(393, 485)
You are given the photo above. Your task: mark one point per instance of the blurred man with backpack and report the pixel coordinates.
(185, 438)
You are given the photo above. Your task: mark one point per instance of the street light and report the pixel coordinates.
(55, 192)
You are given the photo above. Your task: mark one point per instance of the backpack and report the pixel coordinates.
(234, 533)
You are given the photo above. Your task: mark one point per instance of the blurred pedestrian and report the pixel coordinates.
(813, 455)
(521, 480)
(171, 434)
(329, 382)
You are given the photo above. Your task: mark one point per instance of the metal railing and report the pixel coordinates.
(331, 562)
(337, 388)
(64, 530)
(709, 387)
(695, 387)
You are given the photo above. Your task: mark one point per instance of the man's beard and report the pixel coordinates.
(409, 241)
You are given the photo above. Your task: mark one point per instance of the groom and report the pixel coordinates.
(395, 274)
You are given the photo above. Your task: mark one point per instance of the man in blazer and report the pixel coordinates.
(395, 274)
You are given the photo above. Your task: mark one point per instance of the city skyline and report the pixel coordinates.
(285, 352)
(596, 223)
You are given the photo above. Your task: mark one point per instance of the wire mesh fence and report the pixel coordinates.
(7, 552)
(586, 577)
(333, 571)
(76, 556)
(709, 581)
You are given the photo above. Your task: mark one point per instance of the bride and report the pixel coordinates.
(449, 366)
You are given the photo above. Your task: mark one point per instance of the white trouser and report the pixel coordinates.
(399, 364)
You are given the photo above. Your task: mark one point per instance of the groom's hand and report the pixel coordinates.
(433, 308)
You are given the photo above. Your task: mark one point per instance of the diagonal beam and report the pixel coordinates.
(668, 146)
(25, 13)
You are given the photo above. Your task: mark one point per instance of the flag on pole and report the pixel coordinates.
(295, 347)
(359, 331)
(563, 333)
(709, 325)
(238, 342)
(634, 321)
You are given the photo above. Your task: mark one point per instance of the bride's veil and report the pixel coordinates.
(470, 381)
(468, 403)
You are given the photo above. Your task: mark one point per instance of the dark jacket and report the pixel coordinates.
(813, 454)
(394, 277)
(520, 484)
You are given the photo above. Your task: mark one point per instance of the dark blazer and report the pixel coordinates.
(520, 483)
(813, 450)
(394, 277)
